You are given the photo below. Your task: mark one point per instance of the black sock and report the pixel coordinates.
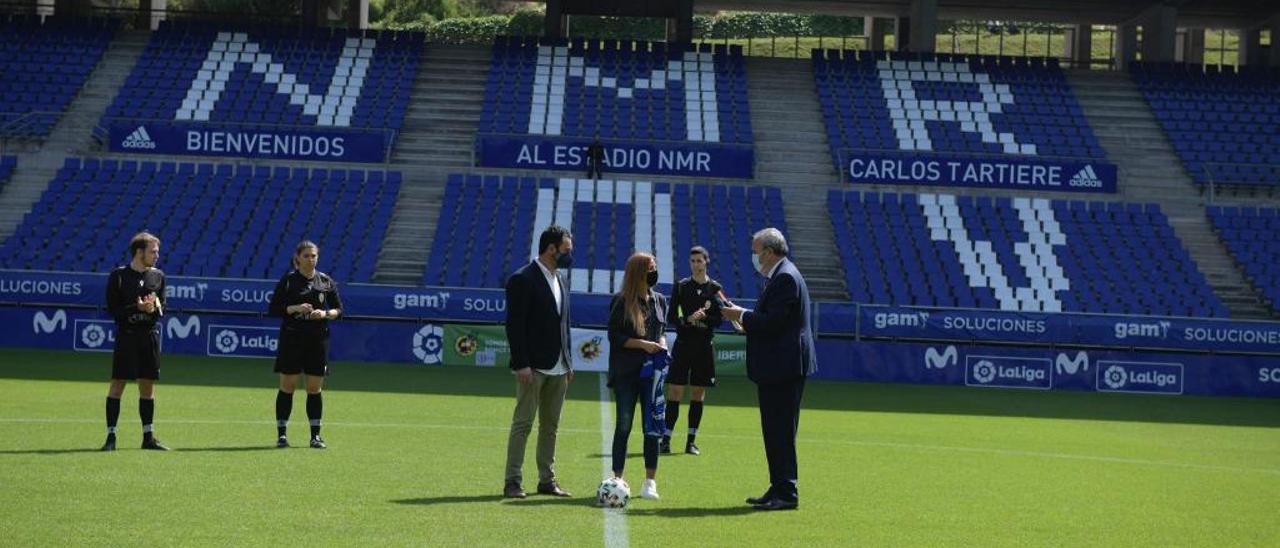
(147, 412)
(284, 407)
(315, 407)
(113, 415)
(695, 419)
(673, 414)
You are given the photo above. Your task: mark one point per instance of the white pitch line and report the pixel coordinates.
(615, 520)
(606, 430)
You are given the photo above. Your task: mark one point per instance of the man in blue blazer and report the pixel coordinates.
(538, 333)
(780, 355)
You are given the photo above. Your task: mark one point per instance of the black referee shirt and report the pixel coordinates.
(689, 296)
(320, 291)
(124, 287)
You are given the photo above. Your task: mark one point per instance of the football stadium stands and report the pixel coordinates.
(7, 163)
(272, 76)
(257, 215)
(1222, 123)
(618, 90)
(1252, 235)
(43, 65)
(499, 218)
(957, 104)
(946, 250)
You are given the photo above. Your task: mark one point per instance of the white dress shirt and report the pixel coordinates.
(562, 366)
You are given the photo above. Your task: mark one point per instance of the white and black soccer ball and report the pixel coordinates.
(613, 493)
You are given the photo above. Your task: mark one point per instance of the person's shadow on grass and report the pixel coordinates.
(692, 512)
(48, 451)
(533, 500)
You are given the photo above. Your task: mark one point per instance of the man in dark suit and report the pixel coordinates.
(780, 355)
(538, 332)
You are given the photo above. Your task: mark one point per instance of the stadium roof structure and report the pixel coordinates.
(1191, 13)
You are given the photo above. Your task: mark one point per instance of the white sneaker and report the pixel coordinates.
(649, 490)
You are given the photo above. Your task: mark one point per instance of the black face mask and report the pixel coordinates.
(564, 260)
(652, 278)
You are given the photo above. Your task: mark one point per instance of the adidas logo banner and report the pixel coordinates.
(1025, 172)
(200, 139)
(139, 139)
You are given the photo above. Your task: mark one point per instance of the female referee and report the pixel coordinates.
(307, 299)
(638, 363)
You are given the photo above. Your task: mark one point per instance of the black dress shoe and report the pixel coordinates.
(109, 445)
(777, 504)
(553, 489)
(664, 446)
(512, 490)
(692, 449)
(766, 497)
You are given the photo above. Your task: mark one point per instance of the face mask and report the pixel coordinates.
(755, 261)
(564, 260)
(652, 278)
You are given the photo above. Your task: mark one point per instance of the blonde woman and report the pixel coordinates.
(638, 364)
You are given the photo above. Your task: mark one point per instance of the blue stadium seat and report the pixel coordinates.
(1222, 124)
(94, 202)
(1015, 254)
(610, 220)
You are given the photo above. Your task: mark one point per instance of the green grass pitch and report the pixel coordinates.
(416, 458)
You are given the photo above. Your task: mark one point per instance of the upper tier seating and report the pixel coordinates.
(1222, 123)
(957, 104)
(43, 65)
(648, 91)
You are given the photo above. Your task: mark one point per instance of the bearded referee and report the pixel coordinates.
(135, 299)
(694, 310)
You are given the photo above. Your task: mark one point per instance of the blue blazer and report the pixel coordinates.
(780, 331)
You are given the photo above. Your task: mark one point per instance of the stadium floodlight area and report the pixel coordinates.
(1222, 122)
(260, 214)
(500, 219)
(1252, 235)
(920, 104)
(1016, 254)
(44, 64)
(326, 78)
(617, 90)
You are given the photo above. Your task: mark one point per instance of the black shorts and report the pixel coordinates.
(136, 356)
(693, 364)
(303, 352)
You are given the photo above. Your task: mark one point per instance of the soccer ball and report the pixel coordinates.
(613, 493)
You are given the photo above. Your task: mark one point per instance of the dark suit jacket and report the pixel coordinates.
(537, 331)
(779, 330)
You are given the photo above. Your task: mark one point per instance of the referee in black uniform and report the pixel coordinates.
(307, 299)
(695, 311)
(135, 298)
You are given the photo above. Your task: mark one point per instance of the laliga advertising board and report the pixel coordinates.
(1002, 367)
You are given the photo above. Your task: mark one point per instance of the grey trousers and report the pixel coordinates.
(543, 398)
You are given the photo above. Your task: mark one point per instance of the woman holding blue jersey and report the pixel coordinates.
(638, 361)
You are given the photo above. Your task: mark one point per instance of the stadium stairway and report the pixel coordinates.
(792, 154)
(72, 136)
(436, 140)
(1150, 171)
